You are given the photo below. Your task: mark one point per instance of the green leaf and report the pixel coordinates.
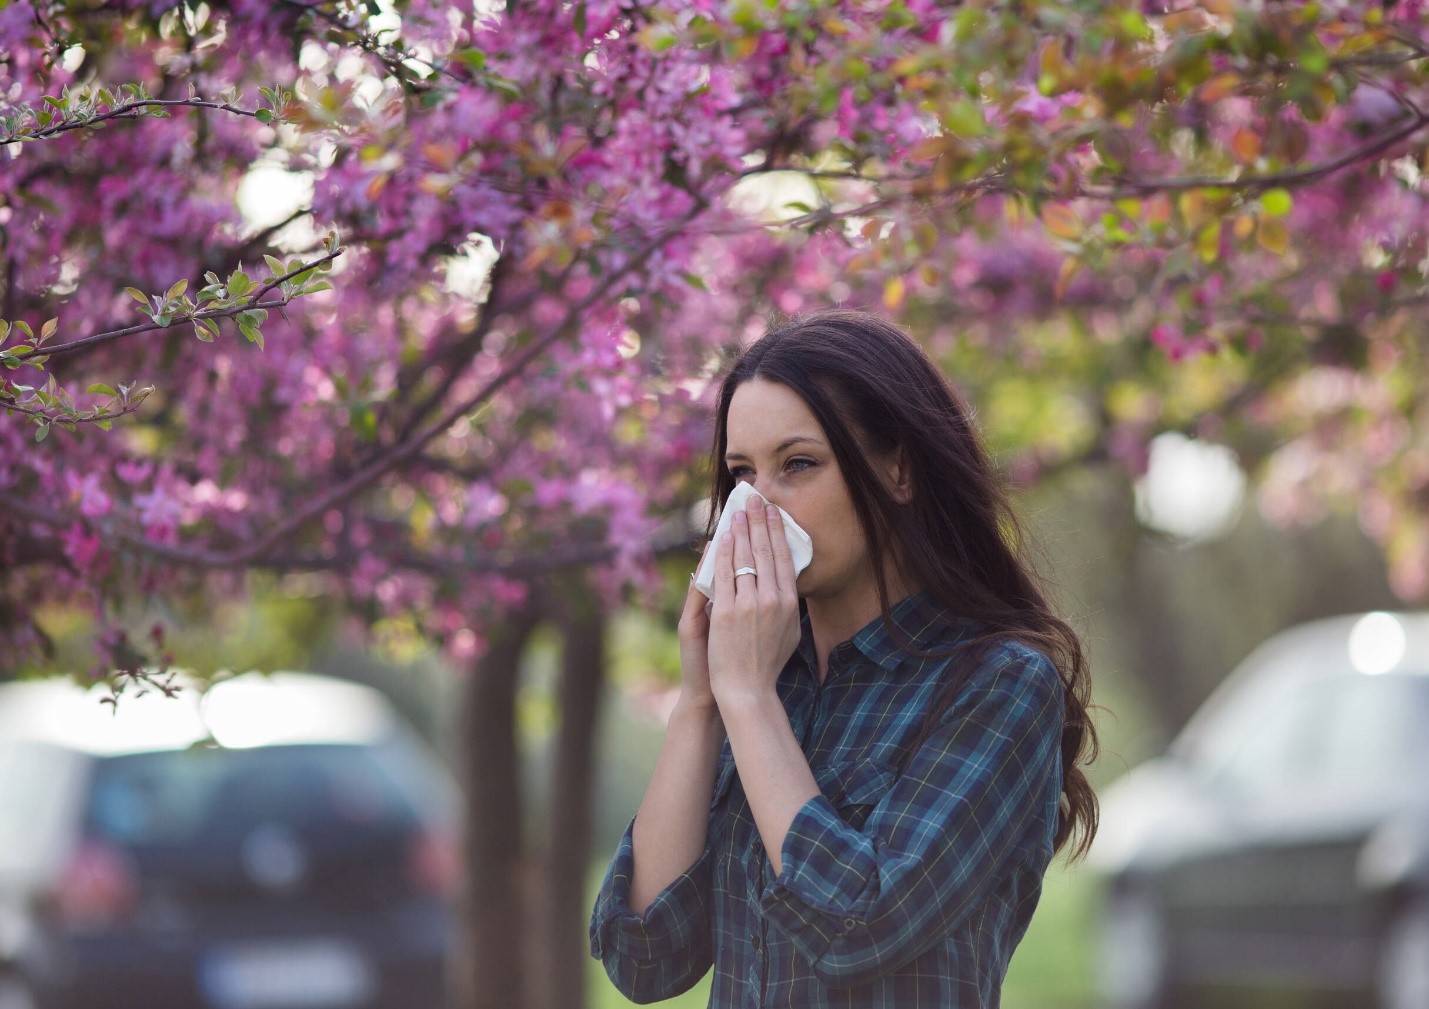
(104, 425)
(473, 59)
(239, 283)
(263, 116)
(505, 86)
(179, 288)
(248, 323)
(316, 286)
(364, 423)
(42, 432)
(965, 119)
(164, 318)
(99, 388)
(201, 331)
(253, 333)
(1276, 202)
(275, 266)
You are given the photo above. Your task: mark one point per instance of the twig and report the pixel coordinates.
(1147, 186)
(128, 110)
(217, 313)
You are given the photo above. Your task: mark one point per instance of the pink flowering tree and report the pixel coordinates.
(423, 299)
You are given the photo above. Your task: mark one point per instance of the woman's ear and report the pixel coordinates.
(899, 477)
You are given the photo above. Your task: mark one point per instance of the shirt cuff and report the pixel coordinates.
(670, 922)
(826, 869)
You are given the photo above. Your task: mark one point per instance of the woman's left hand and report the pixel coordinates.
(754, 622)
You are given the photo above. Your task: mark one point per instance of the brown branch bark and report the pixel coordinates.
(583, 676)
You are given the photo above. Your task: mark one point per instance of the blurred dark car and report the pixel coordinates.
(283, 842)
(1283, 842)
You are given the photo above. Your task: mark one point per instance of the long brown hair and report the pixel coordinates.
(873, 389)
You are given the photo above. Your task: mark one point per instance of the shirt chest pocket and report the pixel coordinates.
(855, 787)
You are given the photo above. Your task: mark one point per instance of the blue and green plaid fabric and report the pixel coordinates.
(897, 889)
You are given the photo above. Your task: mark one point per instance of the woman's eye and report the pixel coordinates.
(801, 464)
(794, 465)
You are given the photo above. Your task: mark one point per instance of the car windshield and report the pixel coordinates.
(187, 796)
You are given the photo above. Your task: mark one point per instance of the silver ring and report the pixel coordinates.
(746, 571)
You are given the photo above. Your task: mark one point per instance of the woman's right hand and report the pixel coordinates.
(694, 635)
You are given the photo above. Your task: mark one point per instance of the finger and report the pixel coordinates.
(779, 543)
(724, 568)
(768, 579)
(743, 553)
(695, 601)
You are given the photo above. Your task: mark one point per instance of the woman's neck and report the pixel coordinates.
(835, 619)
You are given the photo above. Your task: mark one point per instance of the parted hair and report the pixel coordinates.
(873, 389)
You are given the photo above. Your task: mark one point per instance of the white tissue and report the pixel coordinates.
(801, 547)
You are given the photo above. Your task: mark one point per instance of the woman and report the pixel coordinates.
(871, 765)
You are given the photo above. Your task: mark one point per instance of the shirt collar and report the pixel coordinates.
(919, 619)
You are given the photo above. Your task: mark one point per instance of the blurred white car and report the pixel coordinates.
(1283, 841)
(278, 842)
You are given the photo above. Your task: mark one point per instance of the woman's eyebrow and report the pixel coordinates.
(731, 456)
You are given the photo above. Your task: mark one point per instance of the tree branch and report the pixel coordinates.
(674, 536)
(217, 313)
(127, 110)
(1144, 187)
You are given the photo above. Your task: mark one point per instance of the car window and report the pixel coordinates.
(1373, 728)
(1273, 752)
(181, 796)
(1352, 732)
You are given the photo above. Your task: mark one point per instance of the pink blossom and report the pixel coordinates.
(85, 491)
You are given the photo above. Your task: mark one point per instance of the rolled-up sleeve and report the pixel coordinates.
(663, 952)
(858, 903)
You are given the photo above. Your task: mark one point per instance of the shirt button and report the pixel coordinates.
(850, 924)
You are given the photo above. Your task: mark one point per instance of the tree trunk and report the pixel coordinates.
(491, 972)
(583, 626)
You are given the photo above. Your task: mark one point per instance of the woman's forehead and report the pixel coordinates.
(764, 416)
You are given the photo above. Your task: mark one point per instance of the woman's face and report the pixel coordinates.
(774, 442)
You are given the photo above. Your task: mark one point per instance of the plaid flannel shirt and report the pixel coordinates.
(901, 890)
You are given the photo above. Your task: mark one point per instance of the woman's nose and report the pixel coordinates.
(768, 497)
